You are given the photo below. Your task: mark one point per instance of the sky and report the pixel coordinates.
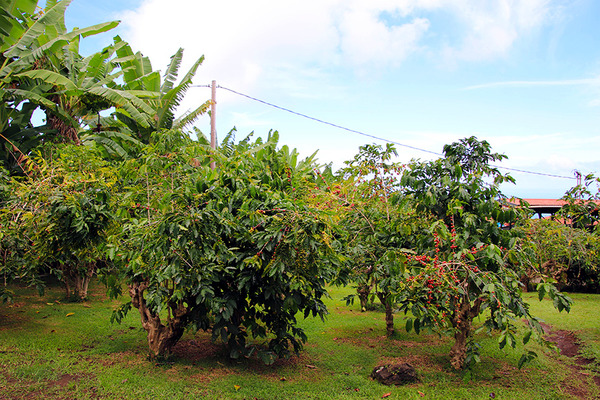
(523, 75)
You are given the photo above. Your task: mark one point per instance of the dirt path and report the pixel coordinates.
(569, 345)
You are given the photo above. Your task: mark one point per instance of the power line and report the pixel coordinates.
(329, 123)
(369, 135)
(536, 173)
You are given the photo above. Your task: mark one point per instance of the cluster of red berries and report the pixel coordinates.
(453, 232)
(288, 172)
(316, 171)
(138, 205)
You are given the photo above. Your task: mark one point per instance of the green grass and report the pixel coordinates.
(53, 349)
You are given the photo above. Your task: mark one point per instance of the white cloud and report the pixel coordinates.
(242, 40)
(492, 27)
(366, 39)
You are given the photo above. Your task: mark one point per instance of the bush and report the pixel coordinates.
(233, 250)
(559, 253)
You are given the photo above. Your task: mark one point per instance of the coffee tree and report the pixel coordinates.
(233, 250)
(61, 212)
(461, 272)
(379, 225)
(582, 204)
(12, 241)
(553, 251)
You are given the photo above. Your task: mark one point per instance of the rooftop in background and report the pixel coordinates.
(545, 206)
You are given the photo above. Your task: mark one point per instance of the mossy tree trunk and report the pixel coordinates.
(386, 299)
(364, 290)
(462, 320)
(77, 279)
(161, 337)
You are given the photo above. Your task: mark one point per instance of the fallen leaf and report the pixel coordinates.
(50, 304)
(310, 366)
(71, 313)
(386, 395)
(421, 393)
(282, 379)
(237, 387)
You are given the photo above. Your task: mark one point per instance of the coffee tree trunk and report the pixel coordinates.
(364, 290)
(82, 280)
(161, 338)
(77, 280)
(386, 300)
(463, 328)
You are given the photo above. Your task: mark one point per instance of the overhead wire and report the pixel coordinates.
(329, 123)
(370, 135)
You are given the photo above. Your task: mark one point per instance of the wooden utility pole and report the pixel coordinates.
(213, 120)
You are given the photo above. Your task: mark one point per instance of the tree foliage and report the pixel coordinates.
(59, 214)
(555, 252)
(161, 97)
(231, 249)
(380, 227)
(462, 271)
(583, 203)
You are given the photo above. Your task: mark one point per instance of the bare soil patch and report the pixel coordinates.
(201, 348)
(29, 390)
(197, 349)
(569, 345)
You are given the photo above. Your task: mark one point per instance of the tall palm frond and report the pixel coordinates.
(171, 99)
(170, 75)
(189, 117)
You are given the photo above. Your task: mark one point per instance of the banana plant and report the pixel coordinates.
(86, 86)
(36, 46)
(140, 78)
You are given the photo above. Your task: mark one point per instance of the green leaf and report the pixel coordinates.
(526, 358)
(502, 339)
(52, 17)
(527, 336)
(49, 77)
(541, 291)
(267, 357)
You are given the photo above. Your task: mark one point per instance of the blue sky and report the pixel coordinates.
(522, 74)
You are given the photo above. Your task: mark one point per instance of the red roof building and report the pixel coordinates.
(546, 206)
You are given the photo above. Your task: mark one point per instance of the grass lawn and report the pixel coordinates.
(56, 350)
